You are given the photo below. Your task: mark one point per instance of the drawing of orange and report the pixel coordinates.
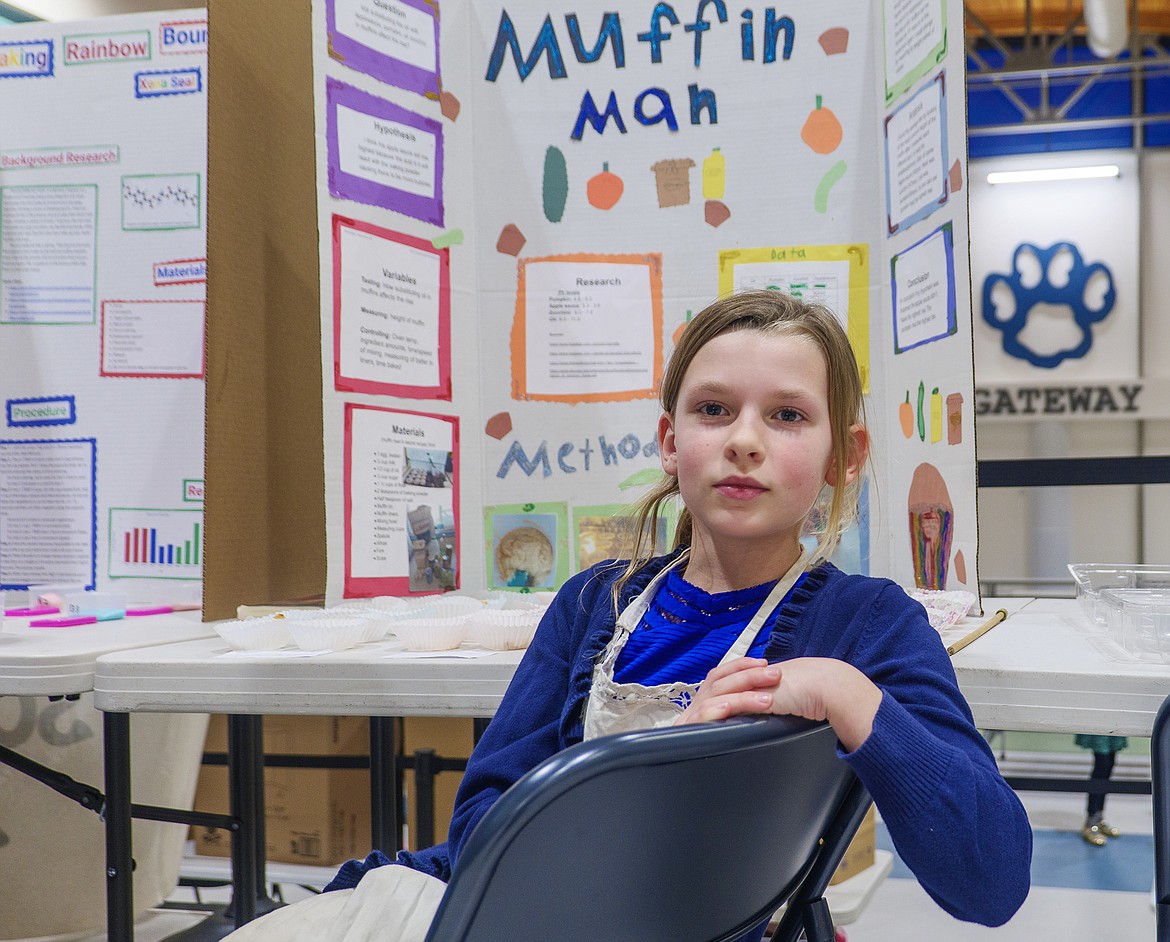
(822, 131)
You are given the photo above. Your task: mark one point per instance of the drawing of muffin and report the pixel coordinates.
(524, 557)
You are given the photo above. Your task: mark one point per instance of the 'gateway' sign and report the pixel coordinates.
(1129, 399)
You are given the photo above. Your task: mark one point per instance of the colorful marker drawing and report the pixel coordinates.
(932, 520)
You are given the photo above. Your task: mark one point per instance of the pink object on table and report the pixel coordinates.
(32, 611)
(149, 610)
(68, 621)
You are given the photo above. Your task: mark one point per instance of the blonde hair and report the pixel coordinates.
(777, 314)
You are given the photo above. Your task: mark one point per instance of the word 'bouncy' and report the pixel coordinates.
(547, 46)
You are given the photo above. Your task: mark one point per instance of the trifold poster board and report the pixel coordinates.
(103, 199)
(517, 211)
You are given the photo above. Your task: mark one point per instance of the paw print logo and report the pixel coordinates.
(1047, 306)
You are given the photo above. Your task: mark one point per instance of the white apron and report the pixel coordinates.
(618, 708)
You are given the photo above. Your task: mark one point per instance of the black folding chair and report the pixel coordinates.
(686, 834)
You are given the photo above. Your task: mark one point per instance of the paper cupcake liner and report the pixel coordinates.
(303, 614)
(503, 630)
(943, 608)
(376, 628)
(253, 634)
(350, 607)
(451, 606)
(333, 634)
(389, 603)
(431, 634)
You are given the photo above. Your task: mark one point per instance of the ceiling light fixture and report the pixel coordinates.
(1053, 173)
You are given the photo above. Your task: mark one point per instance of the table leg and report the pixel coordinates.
(119, 853)
(245, 795)
(1160, 774)
(385, 833)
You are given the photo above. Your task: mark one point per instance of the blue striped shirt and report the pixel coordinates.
(687, 631)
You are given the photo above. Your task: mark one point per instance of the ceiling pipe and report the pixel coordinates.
(1108, 30)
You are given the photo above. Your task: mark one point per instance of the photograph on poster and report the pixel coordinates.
(401, 502)
(430, 546)
(48, 254)
(588, 328)
(922, 282)
(48, 513)
(394, 41)
(527, 545)
(383, 155)
(428, 467)
(916, 156)
(153, 339)
(391, 313)
(915, 34)
(832, 275)
(607, 531)
(524, 550)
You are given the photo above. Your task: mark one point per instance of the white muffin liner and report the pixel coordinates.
(389, 603)
(943, 608)
(377, 627)
(327, 634)
(431, 634)
(253, 634)
(350, 607)
(451, 606)
(302, 614)
(503, 630)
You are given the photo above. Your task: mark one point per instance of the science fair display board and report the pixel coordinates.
(517, 211)
(103, 196)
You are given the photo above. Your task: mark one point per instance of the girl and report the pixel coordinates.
(1104, 748)
(762, 412)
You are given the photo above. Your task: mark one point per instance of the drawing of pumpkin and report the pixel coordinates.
(604, 189)
(822, 131)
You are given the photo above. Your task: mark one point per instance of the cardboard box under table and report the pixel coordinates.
(313, 815)
(321, 816)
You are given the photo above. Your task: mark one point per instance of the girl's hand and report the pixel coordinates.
(811, 687)
(738, 688)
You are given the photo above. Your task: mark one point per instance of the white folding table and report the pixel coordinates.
(1041, 669)
(60, 662)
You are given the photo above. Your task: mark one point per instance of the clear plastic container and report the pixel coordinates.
(1139, 621)
(105, 605)
(1093, 578)
(52, 594)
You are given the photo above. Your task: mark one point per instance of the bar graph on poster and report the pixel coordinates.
(160, 544)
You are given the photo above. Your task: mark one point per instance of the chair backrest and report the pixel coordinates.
(691, 832)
